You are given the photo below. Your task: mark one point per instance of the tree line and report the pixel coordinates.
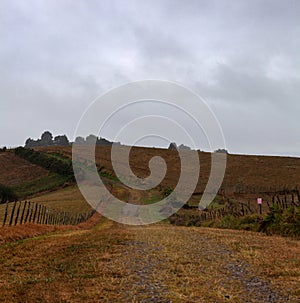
(47, 139)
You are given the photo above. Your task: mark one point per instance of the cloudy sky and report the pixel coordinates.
(242, 57)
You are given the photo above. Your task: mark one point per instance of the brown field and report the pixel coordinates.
(9, 234)
(67, 199)
(244, 174)
(159, 263)
(15, 170)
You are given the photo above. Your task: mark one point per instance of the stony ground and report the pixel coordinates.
(158, 263)
(181, 265)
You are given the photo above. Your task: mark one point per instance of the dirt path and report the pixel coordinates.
(113, 263)
(180, 265)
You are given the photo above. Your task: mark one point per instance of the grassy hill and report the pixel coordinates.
(65, 199)
(15, 170)
(246, 178)
(244, 174)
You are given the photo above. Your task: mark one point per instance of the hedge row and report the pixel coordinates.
(60, 166)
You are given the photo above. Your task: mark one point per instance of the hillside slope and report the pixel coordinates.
(244, 174)
(15, 170)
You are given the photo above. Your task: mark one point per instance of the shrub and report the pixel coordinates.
(7, 194)
(285, 222)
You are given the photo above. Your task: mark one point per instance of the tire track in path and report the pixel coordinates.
(177, 264)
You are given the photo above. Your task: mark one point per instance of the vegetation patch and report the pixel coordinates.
(7, 193)
(284, 222)
(46, 183)
(151, 199)
(278, 221)
(52, 163)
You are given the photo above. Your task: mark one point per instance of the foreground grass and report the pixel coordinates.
(62, 267)
(160, 263)
(211, 265)
(274, 257)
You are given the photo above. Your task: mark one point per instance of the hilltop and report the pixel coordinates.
(245, 174)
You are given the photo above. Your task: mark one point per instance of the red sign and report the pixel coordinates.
(259, 200)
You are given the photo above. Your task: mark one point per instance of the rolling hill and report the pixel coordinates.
(245, 174)
(15, 170)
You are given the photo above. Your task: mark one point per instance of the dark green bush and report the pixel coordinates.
(7, 194)
(285, 222)
(280, 221)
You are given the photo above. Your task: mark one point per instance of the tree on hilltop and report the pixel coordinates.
(91, 139)
(79, 140)
(61, 140)
(46, 139)
(173, 146)
(221, 151)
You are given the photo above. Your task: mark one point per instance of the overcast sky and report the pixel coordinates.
(242, 57)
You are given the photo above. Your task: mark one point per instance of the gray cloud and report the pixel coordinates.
(241, 56)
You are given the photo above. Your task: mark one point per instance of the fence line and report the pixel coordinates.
(23, 212)
(286, 200)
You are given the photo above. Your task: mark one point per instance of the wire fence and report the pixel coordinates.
(286, 200)
(22, 212)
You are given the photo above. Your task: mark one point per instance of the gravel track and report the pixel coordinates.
(149, 258)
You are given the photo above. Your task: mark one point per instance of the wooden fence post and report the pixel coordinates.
(243, 211)
(35, 212)
(5, 214)
(12, 214)
(56, 218)
(18, 212)
(293, 200)
(27, 213)
(38, 214)
(43, 214)
(50, 217)
(46, 216)
(23, 212)
(298, 195)
(284, 202)
(31, 212)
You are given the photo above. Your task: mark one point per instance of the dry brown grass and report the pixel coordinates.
(111, 263)
(68, 266)
(274, 257)
(15, 170)
(246, 172)
(30, 230)
(194, 264)
(67, 199)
